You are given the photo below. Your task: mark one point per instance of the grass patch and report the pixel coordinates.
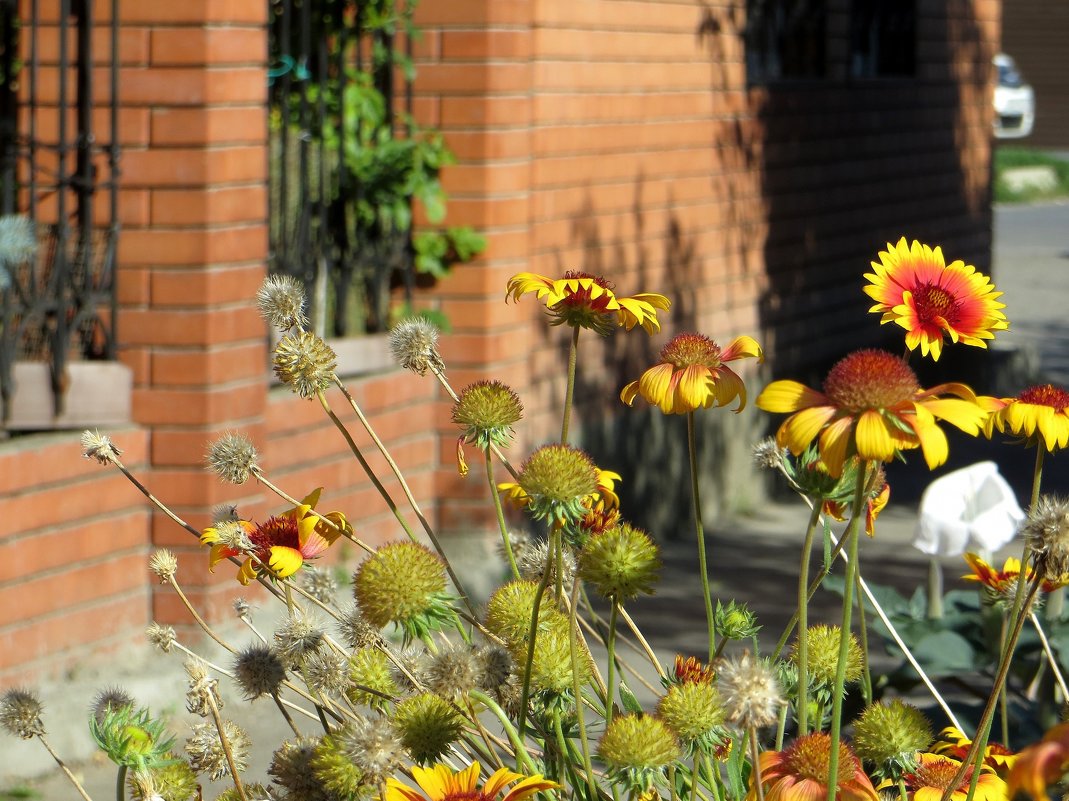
(19, 792)
(1009, 157)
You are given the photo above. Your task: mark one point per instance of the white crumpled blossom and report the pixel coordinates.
(971, 509)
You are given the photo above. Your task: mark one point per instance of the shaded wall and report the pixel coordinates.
(1034, 32)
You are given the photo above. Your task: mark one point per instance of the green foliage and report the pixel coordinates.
(1006, 158)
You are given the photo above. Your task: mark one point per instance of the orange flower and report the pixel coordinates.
(915, 289)
(691, 374)
(1040, 765)
(874, 504)
(952, 742)
(872, 406)
(690, 670)
(1003, 583)
(935, 772)
(800, 772)
(1043, 409)
(439, 783)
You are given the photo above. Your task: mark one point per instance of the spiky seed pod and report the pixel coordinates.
(487, 412)
(428, 725)
(414, 662)
(768, 454)
(291, 767)
(164, 564)
(888, 735)
(414, 344)
(175, 781)
(452, 672)
(259, 671)
(374, 747)
(281, 301)
(108, 699)
(318, 582)
(1046, 530)
(402, 583)
(692, 710)
(205, 750)
(254, 791)
(496, 667)
(508, 613)
(335, 772)
(305, 363)
(823, 656)
(735, 621)
(557, 480)
(328, 672)
(99, 447)
(298, 638)
(233, 457)
(355, 629)
(20, 713)
(750, 691)
(203, 690)
(163, 637)
(531, 561)
(637, 749)
(369, 669)
(234, 534)
(620, 563)
(551, 665)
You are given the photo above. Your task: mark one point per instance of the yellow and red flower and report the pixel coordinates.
(913, 287)
(1040, 765)
(279, 545)
(874, 407)
(1042, 410)
(692, 374)
(440, 783)
(1003, 583)
(603, 500)
(874, 504)
(800, 772)
(581, 300)
(934, 775)
(952, 742)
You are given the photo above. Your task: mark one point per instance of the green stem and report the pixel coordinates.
(573, 357)
(935, 589)
(1003, 700)
(814, 585)
(802, 703)
(500, 516)
(863, 630)
(510, 731)
(851, 538)
(532, 632)
(120, 784)
(580, 715)
(700, 533)
(610, 670)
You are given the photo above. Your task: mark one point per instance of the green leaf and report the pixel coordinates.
(628, 700)
(945, 653)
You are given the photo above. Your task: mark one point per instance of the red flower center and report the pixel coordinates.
(808, 757)
(938, 774)
(580, 298)
(1045, 395)
(933, 303)
(870, 379)
(687, 350)
(276, 531)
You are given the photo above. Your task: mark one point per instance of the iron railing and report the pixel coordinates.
(335, 99)
(57, 301)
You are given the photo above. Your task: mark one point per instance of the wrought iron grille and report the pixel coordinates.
(59, 182)
(343, 157)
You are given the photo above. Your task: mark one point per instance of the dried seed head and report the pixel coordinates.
(318, 583)
(241, 607)
(414, 344)
(453, 672)
(224, 513)
(175, 780)
(428, 725)
(1047, 532)
(339, 778)
(235, 534)
(297, 639)
(203, 690)
(305, 363)
(100, 447)
(767, 453)
(414, 662)
(496, 667)
(259, 671)
(531, 560)
(750, 690)
(291, 767)
(374, 747)
(163, 637)
(233, 457)
(164, 564)
(280, 300)
(109, 699)
(20, 713)
(355, 629)
(205, 750)
(327, 672)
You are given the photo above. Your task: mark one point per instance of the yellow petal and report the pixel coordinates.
(284, 561)
(498, 780)
(528, 787)
(629, 393)
(872, 437)
(694, 388)
(655, 385)
(801, 428)
(395, 791)
(969, 417)
(788, 396)
(933, 442)
(835, 441)
(729, 386)
(248, 571)
(742, 347)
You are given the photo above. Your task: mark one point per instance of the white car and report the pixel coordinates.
(1015, 103)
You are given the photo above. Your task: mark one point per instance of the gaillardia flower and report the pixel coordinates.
(581, 300)
(692, 374)
(442, 784)
(935, 773)
(800, 772)
(952, 742)
(913, 287)
(999, 584)
(281, 544)
(873, 407)
(1039, 413)
(1040, 765)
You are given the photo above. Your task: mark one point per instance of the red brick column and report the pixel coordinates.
(189, 270)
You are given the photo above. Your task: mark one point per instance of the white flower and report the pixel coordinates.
(971, 509)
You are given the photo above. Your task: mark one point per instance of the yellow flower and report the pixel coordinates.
(872, 406)
(280, 545)
(439, 783)
(800, 772)
(935, 772)
(952, 741)
(586, 301)
(1043, 409)
(914, 288)
(1040, 765)
(691, 374)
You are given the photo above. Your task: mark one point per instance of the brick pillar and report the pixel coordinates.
(474, 83)
(188, 326)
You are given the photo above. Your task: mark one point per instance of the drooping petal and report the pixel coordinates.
(396, 791)
(873, 439)
(527, 788)
(969, 417)
(695, 388)
(497, 781)
(933, 441)
(284, 561)
(742, 347)
(789, 396)
(655, 385)
(835, 442)
(798, 430)
(629, 393)
(248, 571)
(728, 387)
(219, 553)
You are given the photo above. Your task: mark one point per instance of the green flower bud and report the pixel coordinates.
(428, 725)
(620, 563)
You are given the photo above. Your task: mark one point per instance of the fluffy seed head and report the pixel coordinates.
(414, 344)
(224, 513)
(691, 710)
(100, 447)
(427, 725)
(259, 671)
(305, 363)
(203, 692)
(414, 662)
(531, 561)
(767, 453)
(163, 637)
(233, 457)
(399, 583)
(20, 713)
(453, 671)
(752, 695)
(18, 241)
(280, 300)
(371, 681)
(298, 638)
(557, 480)
(292, 768)
(164, 564)
(318, 583)
(241, 607)
(487, 412)
(109, 699)
(1047, 533)
(496, 667)
(823, 656)
(328, 673)
(355, 629)
(889, 735)
(373, 746)
(206, 754)
(620, 563)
